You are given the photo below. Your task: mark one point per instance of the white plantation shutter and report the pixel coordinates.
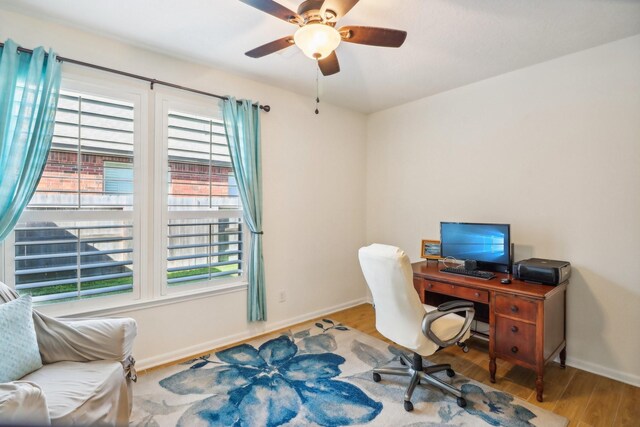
(76, 237)
(204, 227)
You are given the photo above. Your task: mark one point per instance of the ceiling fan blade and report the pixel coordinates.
(373, 36)
(340, 7)
(329, 65)
(271, 47)
(275, 9)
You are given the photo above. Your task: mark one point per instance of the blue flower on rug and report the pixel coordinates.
(495, 407)
(271, 386)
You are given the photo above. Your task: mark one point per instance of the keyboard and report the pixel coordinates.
(485, 275)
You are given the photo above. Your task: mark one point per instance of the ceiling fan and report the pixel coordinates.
(317, 36)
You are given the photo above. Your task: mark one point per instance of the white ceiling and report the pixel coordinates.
(450, 43)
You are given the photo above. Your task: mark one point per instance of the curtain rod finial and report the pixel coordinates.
(266, 108)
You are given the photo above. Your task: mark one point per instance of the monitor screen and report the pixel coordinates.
(485, 243)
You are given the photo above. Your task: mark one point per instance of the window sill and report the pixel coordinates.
(115, 308)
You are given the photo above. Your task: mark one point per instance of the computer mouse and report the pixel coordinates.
(505, 281)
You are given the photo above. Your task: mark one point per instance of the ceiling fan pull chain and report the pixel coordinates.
(317, 86)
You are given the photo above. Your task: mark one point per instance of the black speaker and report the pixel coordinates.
(513, 247)
(470, 264)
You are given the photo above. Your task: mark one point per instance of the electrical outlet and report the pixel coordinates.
(282, 296)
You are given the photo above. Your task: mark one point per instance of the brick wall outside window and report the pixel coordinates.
(61, 174)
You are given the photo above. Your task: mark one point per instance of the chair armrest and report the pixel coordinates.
(23, 403)
(84, 340)
(457, 306)
(446, 306)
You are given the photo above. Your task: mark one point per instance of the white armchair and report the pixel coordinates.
(86, 375)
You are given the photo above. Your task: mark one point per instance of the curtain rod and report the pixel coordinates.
(151, 81)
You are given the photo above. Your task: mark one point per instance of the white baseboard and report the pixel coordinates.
(605, 371)
(252, 331)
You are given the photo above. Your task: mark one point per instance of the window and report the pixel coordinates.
(118, 178)
(202, 210)
(90, 236)
(78, 236)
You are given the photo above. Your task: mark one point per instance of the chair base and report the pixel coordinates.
(417, 373)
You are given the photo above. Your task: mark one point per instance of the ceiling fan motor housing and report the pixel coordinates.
(311, 11)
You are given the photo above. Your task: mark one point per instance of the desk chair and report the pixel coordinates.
(402, 318)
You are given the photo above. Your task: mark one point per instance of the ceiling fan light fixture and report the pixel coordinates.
(317, 40)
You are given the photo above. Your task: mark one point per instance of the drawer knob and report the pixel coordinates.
(514, 329)
(477, 294)
(429, 285)
(514, 308)
(514, 349)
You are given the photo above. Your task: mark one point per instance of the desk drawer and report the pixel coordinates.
(513, 306)
(515, 339)
(457, 291)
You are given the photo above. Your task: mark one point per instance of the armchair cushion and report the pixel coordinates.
(19, 353)
(84, 393)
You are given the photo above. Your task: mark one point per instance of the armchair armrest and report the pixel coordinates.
(23, 402)
(84, 340)
(444, 309)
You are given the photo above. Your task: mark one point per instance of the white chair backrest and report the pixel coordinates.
(399, 312)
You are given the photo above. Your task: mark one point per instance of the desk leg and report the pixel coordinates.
(492, 369)
(539, 388)
(563, 357)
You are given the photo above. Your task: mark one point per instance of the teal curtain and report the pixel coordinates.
(242, 125)
(29, 88)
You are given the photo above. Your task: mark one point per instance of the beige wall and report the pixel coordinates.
(552, 149)
(314, 192)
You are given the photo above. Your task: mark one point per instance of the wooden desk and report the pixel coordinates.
(526, 321)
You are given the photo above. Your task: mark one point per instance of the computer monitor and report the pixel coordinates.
(488, 244)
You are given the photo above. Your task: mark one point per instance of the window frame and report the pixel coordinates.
(151, 176)
(167, 100)
(119, 91)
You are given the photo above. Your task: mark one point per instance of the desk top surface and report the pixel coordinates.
(431, 270)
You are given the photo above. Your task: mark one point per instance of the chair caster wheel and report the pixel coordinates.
(464, 347)
(376, 377)
(451, 373)
(461, 402)
(408, 406)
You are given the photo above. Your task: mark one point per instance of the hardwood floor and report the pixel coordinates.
(584, 398)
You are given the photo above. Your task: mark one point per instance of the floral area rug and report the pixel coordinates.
(319, 374)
